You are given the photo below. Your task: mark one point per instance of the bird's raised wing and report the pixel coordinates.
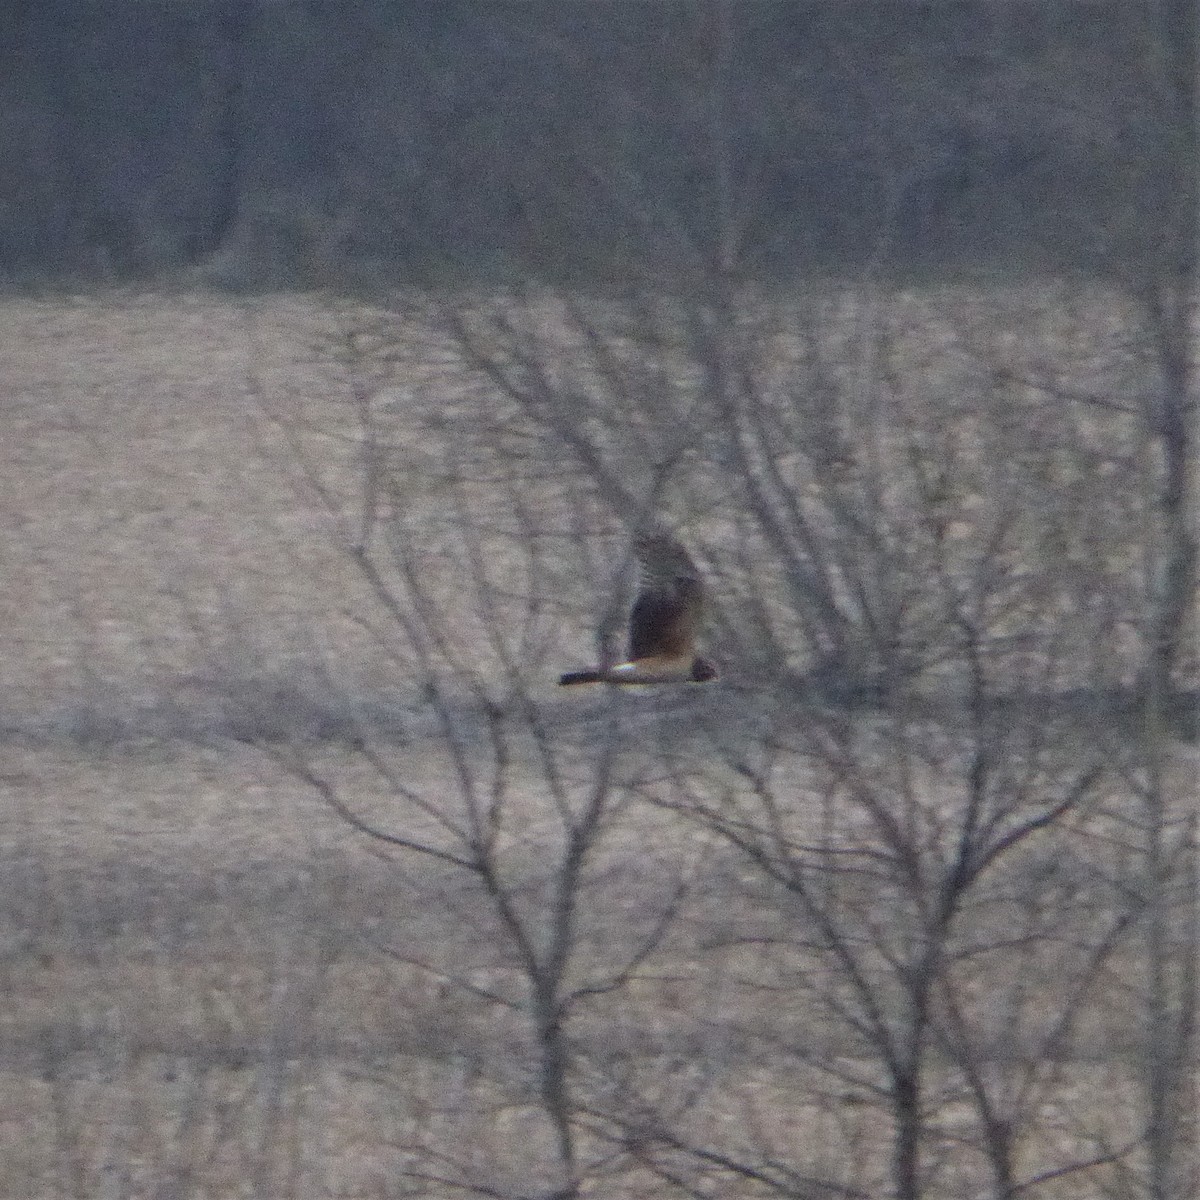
(666, 614)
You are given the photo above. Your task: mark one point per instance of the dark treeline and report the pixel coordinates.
(142, 136)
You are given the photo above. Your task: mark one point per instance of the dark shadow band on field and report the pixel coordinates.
(282, 715)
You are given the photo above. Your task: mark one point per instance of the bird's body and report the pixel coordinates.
(662, 624)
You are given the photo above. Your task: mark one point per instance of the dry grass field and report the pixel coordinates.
(209, 987)
(146, 511)
(190, 1005)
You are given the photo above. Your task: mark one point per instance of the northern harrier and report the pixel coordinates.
(663, 622)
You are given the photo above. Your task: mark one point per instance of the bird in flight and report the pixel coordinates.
(663, 622)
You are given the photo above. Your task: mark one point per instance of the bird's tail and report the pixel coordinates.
(590, 676)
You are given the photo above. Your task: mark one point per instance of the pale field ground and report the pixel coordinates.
(195, 999)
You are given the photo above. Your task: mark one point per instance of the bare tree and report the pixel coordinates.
(925, 547)
(1151, 239)
(936, 844)
(492, 785)
(1169, 300)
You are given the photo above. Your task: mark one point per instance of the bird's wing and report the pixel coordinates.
(661, 624)
(663, 560)
(666, 614)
